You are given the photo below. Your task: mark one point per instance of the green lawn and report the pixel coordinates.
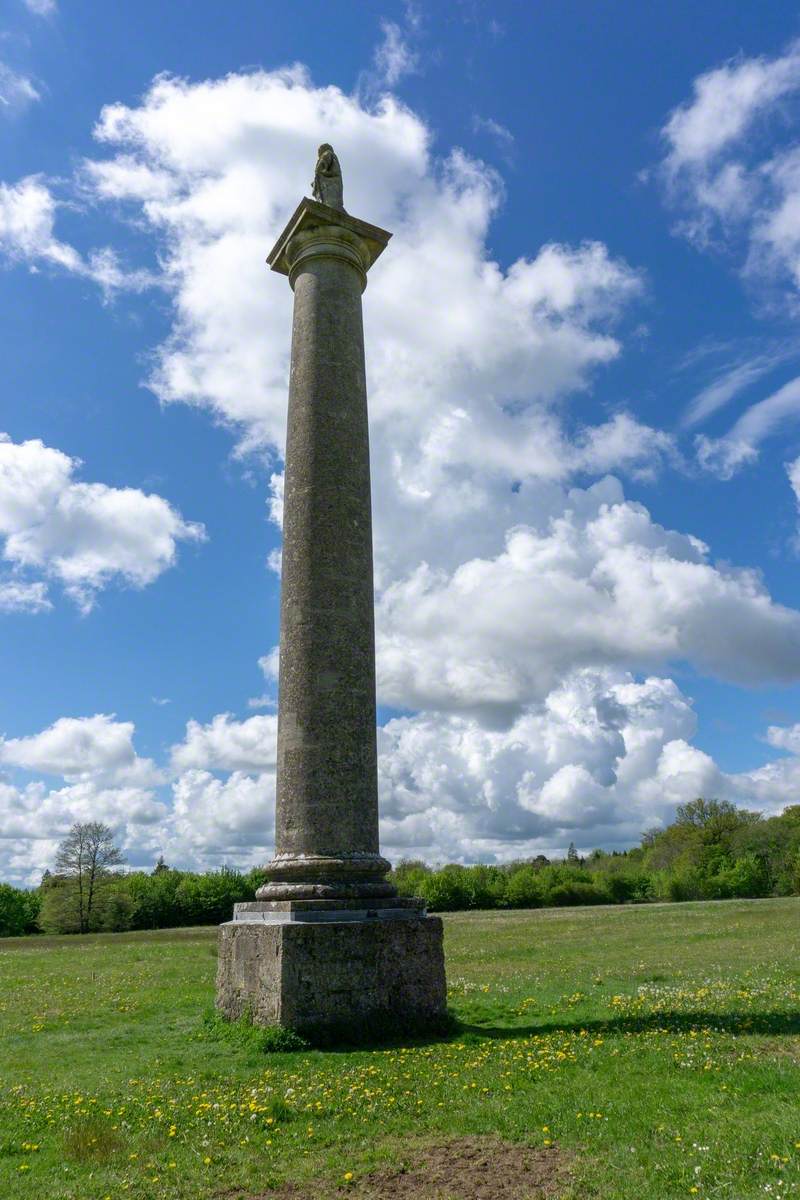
(657, 1048)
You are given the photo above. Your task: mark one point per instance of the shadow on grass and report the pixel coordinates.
(341, 1040)
(672, 1022)
(476, 1028)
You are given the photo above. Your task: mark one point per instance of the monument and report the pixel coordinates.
(328, 947)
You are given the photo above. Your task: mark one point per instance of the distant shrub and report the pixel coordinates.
(115, 909)
(409, 876)
(455, 887)
(486, 886)
(19, 911)
(684, 884)
(524, 888)
(446, 890)
(746, 878)
(578, 892)
(154, 898)
(627, 887)
(209, 899)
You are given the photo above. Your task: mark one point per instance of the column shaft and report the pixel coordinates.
(327, 793)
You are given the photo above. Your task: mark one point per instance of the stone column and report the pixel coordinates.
(328, 949)
(326, 843)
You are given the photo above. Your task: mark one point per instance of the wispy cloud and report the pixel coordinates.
(724, 456)
(793, 471)
(27, 235)
(499, 133)
(18, 596)
(41, 8)
(17, 91)
(394, 57)
(732, 173)
(729, 383)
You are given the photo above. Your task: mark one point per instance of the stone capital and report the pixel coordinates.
(317, 231)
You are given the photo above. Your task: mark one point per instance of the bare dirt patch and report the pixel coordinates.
(781, 1049)
(469, 1168)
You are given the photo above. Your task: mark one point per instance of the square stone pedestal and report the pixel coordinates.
(328, 969)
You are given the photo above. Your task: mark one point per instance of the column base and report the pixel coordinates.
(323, 877)
(340, 976)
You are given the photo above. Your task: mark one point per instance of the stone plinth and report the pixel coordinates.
(334, 978)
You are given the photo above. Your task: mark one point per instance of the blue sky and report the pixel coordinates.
(582, 349)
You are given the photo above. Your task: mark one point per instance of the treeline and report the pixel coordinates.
(712, 851)
(161, 899)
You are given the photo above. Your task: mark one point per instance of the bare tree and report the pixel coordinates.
(86, 855)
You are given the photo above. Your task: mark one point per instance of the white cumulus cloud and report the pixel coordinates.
(82, 748)
(223, 820)
(228, 745)
(596, 581)
(83, 534)
(785, 737)
(601, 759)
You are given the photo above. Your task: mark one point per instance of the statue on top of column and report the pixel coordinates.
(327, 185)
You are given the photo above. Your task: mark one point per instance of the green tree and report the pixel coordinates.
(60, 911)
(524, 888)
(701, 813)
(409, 876)
(83, 862)
(19, 911)
(114, 911)
(446, 890)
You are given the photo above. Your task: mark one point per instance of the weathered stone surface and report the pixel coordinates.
(326, 838)
(336, 977)
(327, 185)
(309, 215)
(381, 908)
(329, 947)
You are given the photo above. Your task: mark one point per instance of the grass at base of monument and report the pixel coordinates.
(657, 1046)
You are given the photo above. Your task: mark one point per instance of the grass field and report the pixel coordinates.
(655, 1050)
